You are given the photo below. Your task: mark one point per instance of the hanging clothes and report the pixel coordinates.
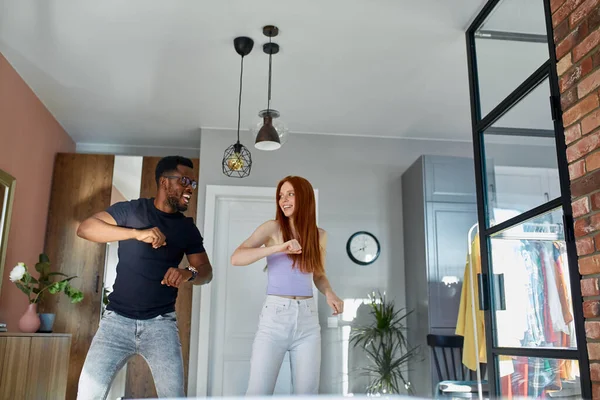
(464, 324)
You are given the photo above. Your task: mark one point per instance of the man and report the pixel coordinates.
(140, 318)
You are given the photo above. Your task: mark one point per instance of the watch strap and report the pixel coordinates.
(194, 272)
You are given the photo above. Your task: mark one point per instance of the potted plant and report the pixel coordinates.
(37, 288)
(385, 344)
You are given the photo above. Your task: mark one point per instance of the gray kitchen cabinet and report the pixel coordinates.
(439, 208)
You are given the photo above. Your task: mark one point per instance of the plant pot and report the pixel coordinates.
(30, 321)
(46, 322)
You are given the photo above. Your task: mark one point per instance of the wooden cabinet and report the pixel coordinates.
(34, 366)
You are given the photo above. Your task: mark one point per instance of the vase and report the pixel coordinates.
(46, 322)
(30, 321)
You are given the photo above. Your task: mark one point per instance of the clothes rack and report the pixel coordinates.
(473, 313)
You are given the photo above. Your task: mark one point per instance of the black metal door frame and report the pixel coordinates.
(479, 125)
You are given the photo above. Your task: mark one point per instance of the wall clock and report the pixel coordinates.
(363, 248)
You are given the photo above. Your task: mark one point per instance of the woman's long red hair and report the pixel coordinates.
(305, 222)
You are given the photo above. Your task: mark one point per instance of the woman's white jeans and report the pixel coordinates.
(286, 325)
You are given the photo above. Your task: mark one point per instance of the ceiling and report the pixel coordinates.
(144, 72)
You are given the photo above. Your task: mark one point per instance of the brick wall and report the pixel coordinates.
(576, 26)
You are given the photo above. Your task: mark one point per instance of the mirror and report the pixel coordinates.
(7, 193)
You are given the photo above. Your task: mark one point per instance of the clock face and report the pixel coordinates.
(363, 248)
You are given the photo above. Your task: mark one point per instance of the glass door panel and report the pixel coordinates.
(510, 45)
(533, 306)
(521, 163)
(538, 378)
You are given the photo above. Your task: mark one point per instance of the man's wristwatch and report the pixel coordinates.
(194, 272)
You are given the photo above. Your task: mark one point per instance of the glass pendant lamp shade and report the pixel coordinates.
(267, 137)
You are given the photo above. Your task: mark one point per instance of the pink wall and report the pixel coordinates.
(30, 137)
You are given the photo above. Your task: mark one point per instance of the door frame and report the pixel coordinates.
(213, 194)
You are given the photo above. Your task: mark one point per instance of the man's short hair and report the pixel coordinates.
(169, 164)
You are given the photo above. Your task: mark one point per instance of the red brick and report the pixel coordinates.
(595, 371)
(554, 4)
(561, 31)
(595, 201)
(585, 226)
(572, 133)
(585, 246)
(564, 64)
(590, 122)
(590, 265)
(581, 207)
(592, 329)
(595, 391)
(594, 19)
(590, 287)
(575, 37)
(563, 11)
(580, 109)
(583, 147)
(592, 161)
(594, 351)
(596, 58)
(597, 241)
(580, 227)
(582, 11)
(577, 170)
(590, 83)
(571, 77)
(587, 184)
(591, 309)
(591, 41)
(568, 98)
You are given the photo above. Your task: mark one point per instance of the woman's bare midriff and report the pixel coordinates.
(293, 297)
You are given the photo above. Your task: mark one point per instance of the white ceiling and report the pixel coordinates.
(146, 72)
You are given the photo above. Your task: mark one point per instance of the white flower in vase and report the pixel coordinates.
(18, 272)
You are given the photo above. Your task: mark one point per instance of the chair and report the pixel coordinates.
(447, 355)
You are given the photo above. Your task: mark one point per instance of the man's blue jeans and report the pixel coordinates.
(119, 338)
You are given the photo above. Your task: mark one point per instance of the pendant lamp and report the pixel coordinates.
(237, 160)
(270, 133)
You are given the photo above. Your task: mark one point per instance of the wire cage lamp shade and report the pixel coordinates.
(237, 161)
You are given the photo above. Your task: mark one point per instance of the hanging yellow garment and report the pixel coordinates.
(464, 324)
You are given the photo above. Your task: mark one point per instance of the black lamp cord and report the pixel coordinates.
(240, 100)
(269, 93)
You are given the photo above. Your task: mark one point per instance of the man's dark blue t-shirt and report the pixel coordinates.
(137, 292)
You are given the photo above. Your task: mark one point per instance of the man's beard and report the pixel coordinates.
(176, 204)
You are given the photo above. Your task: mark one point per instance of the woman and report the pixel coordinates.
(295, 252)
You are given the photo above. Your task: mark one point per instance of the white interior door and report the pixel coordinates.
(231, 304)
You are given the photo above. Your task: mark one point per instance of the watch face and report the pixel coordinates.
(363, 248)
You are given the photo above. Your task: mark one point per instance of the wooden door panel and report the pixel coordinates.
(81, 186)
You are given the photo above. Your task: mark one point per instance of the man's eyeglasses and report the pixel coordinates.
(184, 181)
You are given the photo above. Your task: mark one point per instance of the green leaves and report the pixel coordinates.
(24, 289)
(50, 282)
(385, 343)
(75, 295)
